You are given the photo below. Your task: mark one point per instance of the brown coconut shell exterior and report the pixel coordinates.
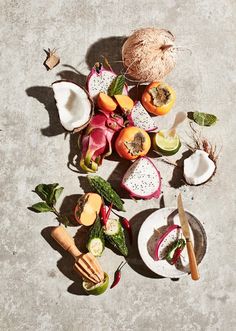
(149, 54)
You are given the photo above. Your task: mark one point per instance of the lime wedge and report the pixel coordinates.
(96, 289)
(166, 144)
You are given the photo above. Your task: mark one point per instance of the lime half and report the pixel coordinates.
(96, 289)
(165, 143)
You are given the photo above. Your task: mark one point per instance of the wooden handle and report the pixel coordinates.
(63, 238)
(192, 261)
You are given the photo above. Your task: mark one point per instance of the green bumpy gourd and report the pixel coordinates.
(118, 240)
(106, 191)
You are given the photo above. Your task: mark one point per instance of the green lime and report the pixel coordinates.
(96, 289)
(165, 143)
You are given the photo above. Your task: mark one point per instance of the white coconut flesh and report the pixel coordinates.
(73, 104)
(198, 168)
(142, 178)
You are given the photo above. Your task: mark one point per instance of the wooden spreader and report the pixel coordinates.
(86, 265)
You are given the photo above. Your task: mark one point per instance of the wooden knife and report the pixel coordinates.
(185, 228)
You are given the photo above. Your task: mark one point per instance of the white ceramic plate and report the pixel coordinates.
(148, 236)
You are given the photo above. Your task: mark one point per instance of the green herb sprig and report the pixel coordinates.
(49, 193)
(117, 86)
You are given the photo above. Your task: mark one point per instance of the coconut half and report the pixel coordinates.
(74, 105)
(198, 168)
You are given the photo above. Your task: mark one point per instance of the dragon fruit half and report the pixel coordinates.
(172, 234)
(139, 117)
(142, 179)
(96, 143)
(99, 80)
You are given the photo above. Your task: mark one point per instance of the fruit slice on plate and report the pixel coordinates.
(74, 105)
(165, 143)
(96, 289)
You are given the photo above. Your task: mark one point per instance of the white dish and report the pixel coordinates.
(147, 238)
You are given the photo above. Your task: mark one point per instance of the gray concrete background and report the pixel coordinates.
(38, 290)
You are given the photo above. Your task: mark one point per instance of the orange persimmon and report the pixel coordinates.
(125, 102)
(158, 98)
(105, 102)
(132, 142)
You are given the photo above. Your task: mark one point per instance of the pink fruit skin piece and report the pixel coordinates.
(94, 72)
(155, 194)
(169, 230)
(98, 137)
(132, 123)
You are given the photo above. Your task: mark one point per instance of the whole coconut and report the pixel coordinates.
(149, 54)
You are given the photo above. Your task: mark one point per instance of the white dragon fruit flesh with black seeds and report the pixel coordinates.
(139, 117)
(142, 179)
(99, 80)
(173, 233)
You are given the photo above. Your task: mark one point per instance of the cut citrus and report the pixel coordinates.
(165, 143)
(96, 289)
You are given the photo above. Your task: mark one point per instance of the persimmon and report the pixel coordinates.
(105, 102)
(132, 142)
(158, 98)
(125, 102)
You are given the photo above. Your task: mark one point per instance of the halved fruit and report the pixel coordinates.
(74, 105)
(87, 208)
(105, 102)
(125, 103)
(165, 143)
(96, 289)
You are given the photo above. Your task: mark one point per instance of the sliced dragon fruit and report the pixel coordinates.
(99, 80)
(172, 234)
(142, 179)
(139, 117)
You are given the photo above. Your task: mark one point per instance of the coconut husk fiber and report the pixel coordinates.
(149, 54)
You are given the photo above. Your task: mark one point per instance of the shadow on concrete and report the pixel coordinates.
(45, 96)
(106, 47)
(65, 264)
(177, 179)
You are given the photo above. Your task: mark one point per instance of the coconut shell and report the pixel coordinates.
(149, 54)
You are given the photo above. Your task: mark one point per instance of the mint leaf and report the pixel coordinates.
(204, 119)
(117, 86)
(40, 207)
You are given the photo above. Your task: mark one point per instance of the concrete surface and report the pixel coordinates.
(38, 289)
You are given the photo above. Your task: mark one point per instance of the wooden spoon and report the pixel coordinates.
(179, 118)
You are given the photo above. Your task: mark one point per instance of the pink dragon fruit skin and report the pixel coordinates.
(97, 140)
(171, 235)
(142, 179)
(139, 117)
(99, 80)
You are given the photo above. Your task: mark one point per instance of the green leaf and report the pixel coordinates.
(117, 86)
(40, 207)
(47, 192)
(57, 193)
(204, 119)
